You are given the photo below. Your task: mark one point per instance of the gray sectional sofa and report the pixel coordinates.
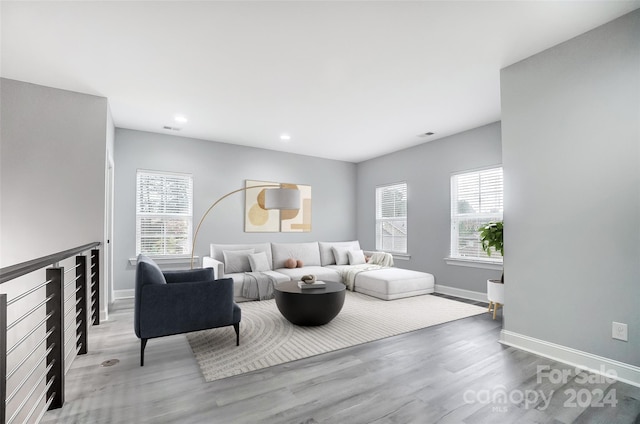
(328, 261)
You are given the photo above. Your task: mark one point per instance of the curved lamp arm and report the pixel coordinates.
(195, 234)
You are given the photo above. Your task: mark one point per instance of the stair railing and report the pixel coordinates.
(47, 323)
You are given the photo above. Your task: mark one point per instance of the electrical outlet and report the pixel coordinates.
(619, 331)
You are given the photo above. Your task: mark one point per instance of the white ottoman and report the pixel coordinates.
(394, 283)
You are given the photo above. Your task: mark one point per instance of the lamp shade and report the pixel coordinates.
(282, 198)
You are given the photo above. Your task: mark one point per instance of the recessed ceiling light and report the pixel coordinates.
(285, 137)
(180, 118)
(427, 134)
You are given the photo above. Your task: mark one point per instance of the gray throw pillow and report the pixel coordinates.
(259, 262)
(341, 255)
(237, 261)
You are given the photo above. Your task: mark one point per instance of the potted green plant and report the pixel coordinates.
(491, 237)
(492, 241)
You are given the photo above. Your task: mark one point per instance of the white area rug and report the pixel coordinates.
(267, 338)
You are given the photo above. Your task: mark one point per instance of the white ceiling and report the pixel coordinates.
(347, 80)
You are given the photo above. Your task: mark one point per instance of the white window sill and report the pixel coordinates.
(401, 256)
(170, 260)
(474, 263)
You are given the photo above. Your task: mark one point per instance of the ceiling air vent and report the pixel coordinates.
(166, 127)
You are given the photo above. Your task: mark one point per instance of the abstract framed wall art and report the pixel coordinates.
(297, 221)
(258, 219)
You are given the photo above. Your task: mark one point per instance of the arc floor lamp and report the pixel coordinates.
(274, 196)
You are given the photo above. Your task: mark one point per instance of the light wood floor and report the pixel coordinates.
(444, 374)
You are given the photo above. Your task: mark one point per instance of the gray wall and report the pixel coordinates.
(427, 169)
(571, 153)
(52, 170)
(217, 169)
(52, 167)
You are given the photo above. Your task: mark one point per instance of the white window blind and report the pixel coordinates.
(391, 218)
(164, 213)
(476, 199)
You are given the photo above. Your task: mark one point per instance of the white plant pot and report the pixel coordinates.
(495, 295)
(495, 291)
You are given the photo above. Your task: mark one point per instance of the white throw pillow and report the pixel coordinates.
(237, 260)
(341, 255)
(259, 262)
(356, 257)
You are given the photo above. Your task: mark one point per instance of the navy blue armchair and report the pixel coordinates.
(175, 302)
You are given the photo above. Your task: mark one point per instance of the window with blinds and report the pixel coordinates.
(391, 218)
(164, 213)
(476, 199)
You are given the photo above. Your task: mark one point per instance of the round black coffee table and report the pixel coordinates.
(315, 306)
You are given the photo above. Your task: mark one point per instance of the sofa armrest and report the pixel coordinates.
(190, 275)
(180, 308)
(218, 267)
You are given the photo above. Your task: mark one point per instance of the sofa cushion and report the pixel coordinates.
(326, 252)
(238, 280)
(216, 250)
(394, 283)
(321, 273)
(237, 260)
(339, 268)
(308, 253)
(259, 262)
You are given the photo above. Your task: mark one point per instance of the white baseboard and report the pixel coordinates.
(465, 294)
(123, 294)
(626, 373)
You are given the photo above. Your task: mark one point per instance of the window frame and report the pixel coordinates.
(165, 216)
(379, 243)
(482, 260)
